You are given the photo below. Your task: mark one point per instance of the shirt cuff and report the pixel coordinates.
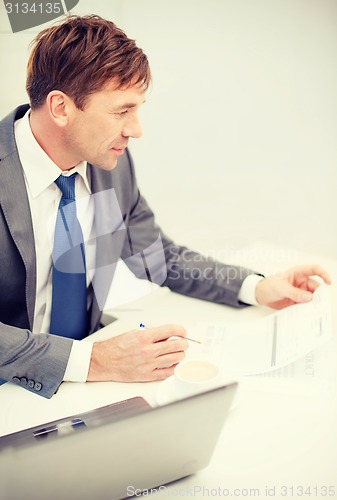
(247, 290)
(78, 362)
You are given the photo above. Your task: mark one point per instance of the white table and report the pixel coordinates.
(274, 443)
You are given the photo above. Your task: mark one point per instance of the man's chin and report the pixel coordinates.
(107, 166)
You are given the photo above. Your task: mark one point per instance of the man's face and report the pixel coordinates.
(100, 133)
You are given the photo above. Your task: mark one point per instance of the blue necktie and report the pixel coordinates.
(69, 316)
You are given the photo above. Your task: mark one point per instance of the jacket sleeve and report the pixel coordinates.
(151, 255)
(36, 362)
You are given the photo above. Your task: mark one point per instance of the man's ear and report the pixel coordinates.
(58, 106)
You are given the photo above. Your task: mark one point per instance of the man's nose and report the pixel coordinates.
(132, 128)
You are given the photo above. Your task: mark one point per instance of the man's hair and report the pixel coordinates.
(79, 56)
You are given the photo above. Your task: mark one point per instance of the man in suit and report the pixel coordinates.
(86, 82)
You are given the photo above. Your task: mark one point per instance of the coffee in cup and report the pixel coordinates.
(193, 376)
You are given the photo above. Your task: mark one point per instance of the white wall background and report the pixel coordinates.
(240, 126)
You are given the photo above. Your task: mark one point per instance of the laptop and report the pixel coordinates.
(114, 452)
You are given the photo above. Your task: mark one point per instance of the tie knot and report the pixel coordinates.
(67, 186)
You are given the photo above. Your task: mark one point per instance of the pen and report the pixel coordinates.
(141, 325)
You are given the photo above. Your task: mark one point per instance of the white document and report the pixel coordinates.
(315, 372)
(269, 343)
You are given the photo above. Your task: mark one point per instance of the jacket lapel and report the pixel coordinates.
(15, 206)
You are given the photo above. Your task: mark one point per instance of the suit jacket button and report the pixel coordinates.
(37, 386)
(16, 380)
(23, 381)
(31, 384)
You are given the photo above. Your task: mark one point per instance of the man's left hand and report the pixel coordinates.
(294, 286)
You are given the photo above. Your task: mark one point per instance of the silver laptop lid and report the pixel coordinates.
(116, 459)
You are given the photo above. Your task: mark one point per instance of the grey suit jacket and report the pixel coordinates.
(125, 228)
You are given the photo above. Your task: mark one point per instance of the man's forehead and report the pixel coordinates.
(114, 84)
(131, 95)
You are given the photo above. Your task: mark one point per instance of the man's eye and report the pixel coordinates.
(122, 113)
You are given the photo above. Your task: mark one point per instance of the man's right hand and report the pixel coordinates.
(138, 356)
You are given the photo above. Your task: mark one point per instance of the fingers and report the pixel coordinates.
(169, 360)
(319, 271)
(164, 332)
(312, 284)
(169, 347)
(312, 270)
(167, 352)
(297, 295)
(163, 373)
(303, 285)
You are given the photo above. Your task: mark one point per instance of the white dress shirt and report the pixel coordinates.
(44, 196)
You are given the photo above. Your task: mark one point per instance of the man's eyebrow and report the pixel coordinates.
(127, 105)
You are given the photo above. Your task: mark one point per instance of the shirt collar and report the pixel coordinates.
(40, 171)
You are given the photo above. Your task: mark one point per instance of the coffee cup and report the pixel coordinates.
(193, 376)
